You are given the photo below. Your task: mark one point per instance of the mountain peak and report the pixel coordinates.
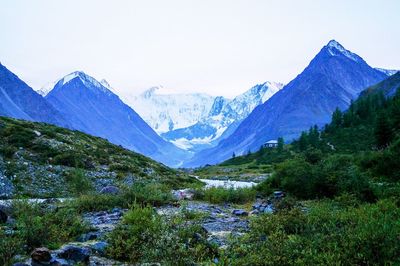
(334, 48)
(87, 81)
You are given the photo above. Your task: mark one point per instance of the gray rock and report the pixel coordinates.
(74, 253)
(240, 212)
(110, 190)
(99, 247)
(41, 255)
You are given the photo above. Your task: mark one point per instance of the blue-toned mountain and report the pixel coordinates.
(332, 79)
(93, 108)
(18, 100)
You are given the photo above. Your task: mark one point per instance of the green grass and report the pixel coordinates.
(219, 195)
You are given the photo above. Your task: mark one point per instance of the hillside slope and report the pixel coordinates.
(41, 160)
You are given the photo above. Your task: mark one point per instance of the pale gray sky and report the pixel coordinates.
(221, 47)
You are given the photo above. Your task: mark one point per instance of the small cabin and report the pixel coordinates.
(271, 144)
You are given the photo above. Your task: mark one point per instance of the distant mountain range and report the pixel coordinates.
(222, 119)
(332, 79)
(196, 129)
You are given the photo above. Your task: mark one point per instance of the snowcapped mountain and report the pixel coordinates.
(222, 119)
(332, 79)
(165, 111)
(93, 108)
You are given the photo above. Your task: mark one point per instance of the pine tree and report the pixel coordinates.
(280, 144)
(337, 118)
(233, 155)
(383, 131)
(303, 141)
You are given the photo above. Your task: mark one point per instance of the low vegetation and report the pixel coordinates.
(144, 237)
(220, 195)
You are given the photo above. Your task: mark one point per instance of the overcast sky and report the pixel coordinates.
(213, 46)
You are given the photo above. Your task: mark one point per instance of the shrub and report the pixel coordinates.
(9, 247)
(78, 182)
(327, 235)
(37, 226)
(144, 237)
(217, 195)
(141, 192)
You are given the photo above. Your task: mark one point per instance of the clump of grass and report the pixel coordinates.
(141, 192)
(38, 226)
(145, 237)
(218, 195)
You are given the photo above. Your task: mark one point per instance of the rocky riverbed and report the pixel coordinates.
(219, 222)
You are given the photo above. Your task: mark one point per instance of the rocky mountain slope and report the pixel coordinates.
(332, 79)
(41, 160)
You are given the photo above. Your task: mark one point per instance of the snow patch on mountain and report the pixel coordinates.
(165, 111)
(336, 49)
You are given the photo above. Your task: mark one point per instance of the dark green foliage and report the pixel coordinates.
(38, 226)
(333, 176)
(326, 235)
(219, 195)
(383, 131)
(150, 193)
(78, 182)
(144, 237)
(10, 245)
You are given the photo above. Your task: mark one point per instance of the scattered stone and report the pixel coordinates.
(99, 247)
(254, 212)
(88, 237)
(110, 190)
(41, 255)
(240, 212)
(183, 194)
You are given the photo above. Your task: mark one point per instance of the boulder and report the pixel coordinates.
(183, 194)
(110, 190)
(240, 212)
(99, 247)
(74, 253)
(41, 255)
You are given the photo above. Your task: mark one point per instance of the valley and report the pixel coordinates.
(84, 180)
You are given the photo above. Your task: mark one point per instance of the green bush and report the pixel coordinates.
(141, 192)
(144, 237)
(217, 195)
(327, 235)
(78, 182)
(38, 226)
(9, 247)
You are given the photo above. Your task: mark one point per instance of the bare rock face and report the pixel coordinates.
(41, 255)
